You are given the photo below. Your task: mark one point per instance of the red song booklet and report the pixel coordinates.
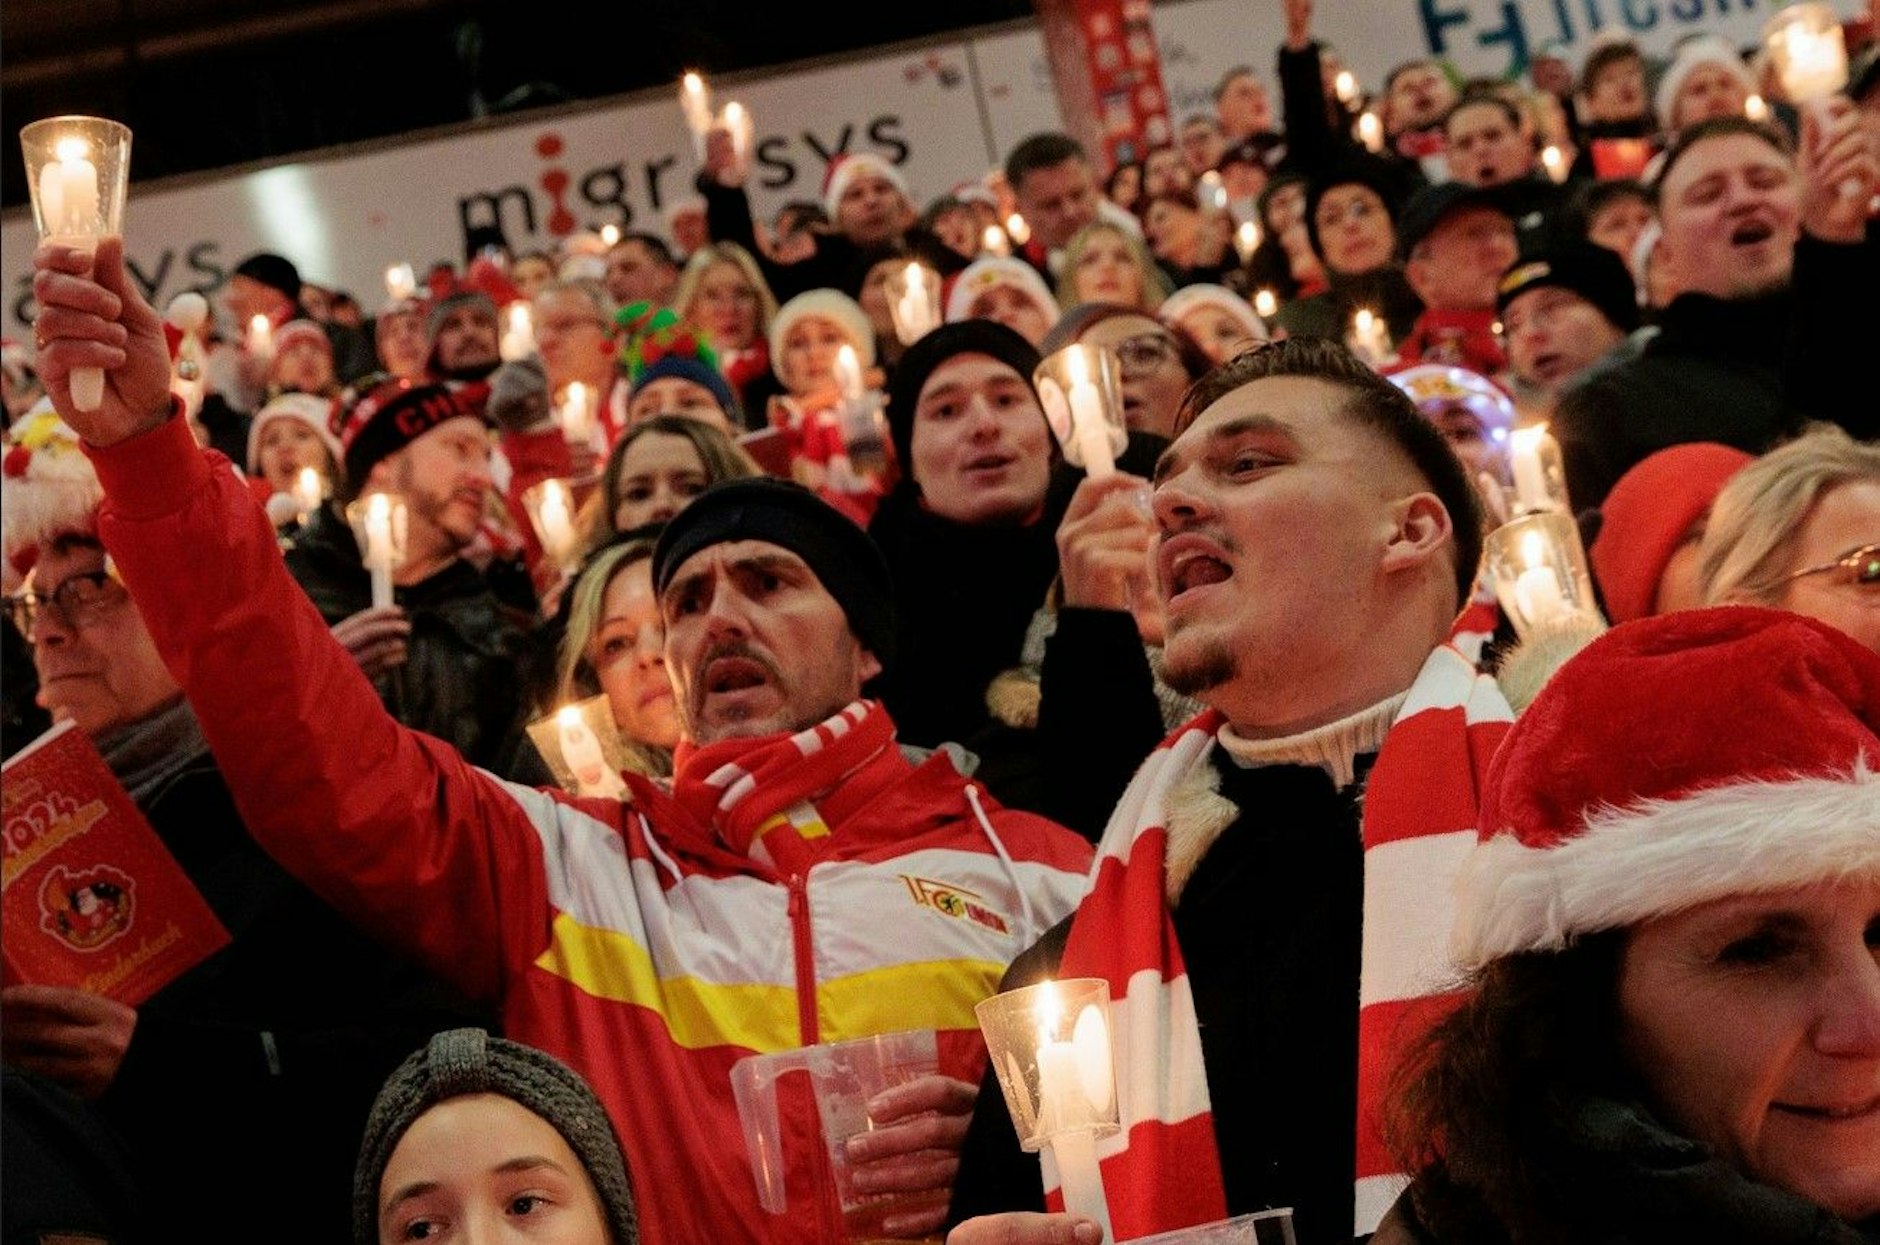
(89, 896)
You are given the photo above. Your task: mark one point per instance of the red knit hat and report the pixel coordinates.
(1675, 761)
(1646, 517)
(844, 169)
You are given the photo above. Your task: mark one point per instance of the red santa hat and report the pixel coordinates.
(315, 412)
(844, 169)
(1675, 761)
(831, 305)
(295, 331)
(47, 486)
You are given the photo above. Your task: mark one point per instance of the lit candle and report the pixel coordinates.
(914, 311)
(261, 337)
(1076, 1085)
(1345, 86)
(1537, 591)
(581, 752)
(578, 417)
(1212, 193)
(1266, 304)
(1369, 340)
(848, 373)
(1247, 239)
(400, 282)
(1089, 428)
(994, 242)
(610, 234)
(1017, 230)
(1812, 63)
(381, 554)
(519, 336)
(1526, 450)
(554, 524)
(309, 491)
(1755, 108)
(737, 120)
(695, 102)
(68, 194)
(1371, 131)
(1555, 162)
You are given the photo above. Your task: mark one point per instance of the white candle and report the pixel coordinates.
(1345, 86)
(1247, 239)
(68, 194)
(261, 337)
(400, 282)
(581, 752)
(1369, 340)
(737, 120)
(1089, 428)
(309, 491)
(848, 374)
(555, 523)
(1555, 162)
(1755, 108)
(577, 415)
(913, 311)
(1530, 473)
(381, 553)
(1017, 230)
(696, 103)
(1266, 304)
(1075, 1085)
(518, 334)
(1537, 591)
(1371, 131)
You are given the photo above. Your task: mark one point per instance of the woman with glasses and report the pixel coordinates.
(1799, 530)
(1159, 363)
(723, 291)
(1350, 218)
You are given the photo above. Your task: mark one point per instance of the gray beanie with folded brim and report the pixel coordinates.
(469, 1061)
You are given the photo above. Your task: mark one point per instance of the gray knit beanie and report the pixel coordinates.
(470, 1061)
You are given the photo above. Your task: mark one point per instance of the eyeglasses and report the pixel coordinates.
(569, 325)
(1862, 566)
(1146, 352)
(78, 601)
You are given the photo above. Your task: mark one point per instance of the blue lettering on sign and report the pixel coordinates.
(1437, 21)
(1628, 10)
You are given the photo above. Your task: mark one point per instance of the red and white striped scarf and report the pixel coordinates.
(748, 789)
(1163, 1171)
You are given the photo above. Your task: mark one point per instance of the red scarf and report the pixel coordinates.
(1162, 1171)
(778, 798)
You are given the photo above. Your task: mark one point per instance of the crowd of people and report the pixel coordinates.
(1416, 923)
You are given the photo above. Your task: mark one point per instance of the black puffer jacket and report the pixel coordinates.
(459, 679)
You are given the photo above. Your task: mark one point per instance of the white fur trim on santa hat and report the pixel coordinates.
(49, 486)
(844, 169)
(992, 272)
(315, 412)
(1701, 50)
(830, 305)
(1664, 856)
(1190, 297)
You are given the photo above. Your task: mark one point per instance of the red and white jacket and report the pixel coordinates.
(625, 939)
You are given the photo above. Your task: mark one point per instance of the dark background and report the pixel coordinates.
(208, 83)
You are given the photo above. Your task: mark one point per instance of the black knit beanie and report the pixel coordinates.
(779, 512)
(987, 337)
(274, 271)
(469, 1061)
(1365, 171)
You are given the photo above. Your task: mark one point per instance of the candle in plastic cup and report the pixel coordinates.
(400, 282)
(1081, 389)
(1539, 475)
(260, 337)
(77, 170)
(1087, 421)
(309, 492)
(518, 341)
(913, 302)
(550, 506)
(1808, 50)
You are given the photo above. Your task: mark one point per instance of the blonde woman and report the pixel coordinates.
(615, 645)
(723, 291)
(1799, 530)
(1105, 263)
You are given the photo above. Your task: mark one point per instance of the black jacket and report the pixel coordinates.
(1746, 372)
(458, 682)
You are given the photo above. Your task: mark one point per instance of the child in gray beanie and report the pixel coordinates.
(462, 1062)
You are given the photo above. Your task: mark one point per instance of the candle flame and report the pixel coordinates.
(1266, 304)
(694, 84)
(1528, 440)
(519, 320)
(1016, 229)
(1755, 108)
(1345, 85)
(993, 240)
(1364, 323)
(379, 508)
(1370, 130)
(734, 114)
(1533, 550)
(72, 147)
(1050, 1012)
(916, 281)
(568, 716)
(610, 234)
(1078, 365)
